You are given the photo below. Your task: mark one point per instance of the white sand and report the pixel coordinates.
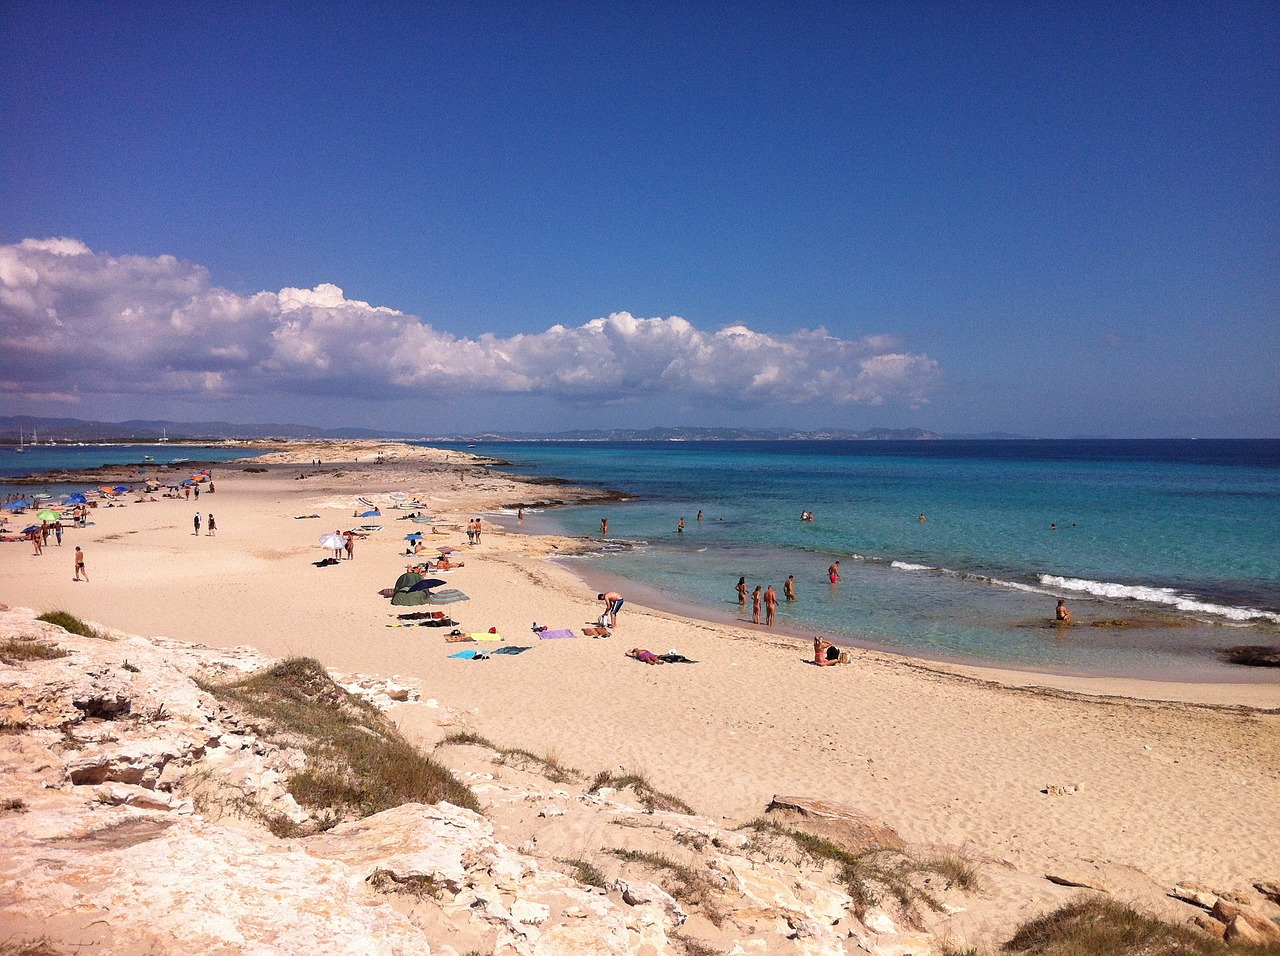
(944, 754)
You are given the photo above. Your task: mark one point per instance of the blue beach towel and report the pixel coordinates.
(471, 655)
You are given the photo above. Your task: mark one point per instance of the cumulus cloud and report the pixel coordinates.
(78, 323)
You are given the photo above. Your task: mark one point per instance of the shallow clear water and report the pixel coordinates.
(1176, 539)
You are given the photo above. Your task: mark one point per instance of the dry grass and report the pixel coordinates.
(357, 763)
(871, 875)
(72, 625)
(584, 871)
(42, 946)
(650, 797)
(418, 885)
(13, 650)
(693, 887)
(1098, 926)
(549, 766)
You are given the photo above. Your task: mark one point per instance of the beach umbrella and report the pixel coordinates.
(332, 541)
(17, 504)
(29, 528)
(446, 550)
(426, 583)
(77, 499)
(398, 496)
(416, 535)
(446, 596)
(47, 515)
(120, 489)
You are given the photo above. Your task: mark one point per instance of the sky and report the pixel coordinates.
(1053, 220)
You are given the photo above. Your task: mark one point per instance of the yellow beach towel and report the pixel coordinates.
(486, 636)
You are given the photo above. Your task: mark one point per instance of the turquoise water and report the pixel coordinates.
(1175, 539)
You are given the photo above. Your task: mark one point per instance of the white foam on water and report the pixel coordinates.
(908, 566)
(1153, 595)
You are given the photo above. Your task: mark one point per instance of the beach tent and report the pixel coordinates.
(404, 595)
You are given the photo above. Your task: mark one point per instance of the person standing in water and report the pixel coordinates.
(833, 573)
(789, 588)
(755, 605)
(770, 605)
(742, 591)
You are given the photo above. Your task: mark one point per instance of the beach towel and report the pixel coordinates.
(297, 517)
(511, 650)
(675, 659)
(486, 636)
(421, 616)
(471, 656)
(555, 635)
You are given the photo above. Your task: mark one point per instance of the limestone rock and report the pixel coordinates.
(843, 824)
(1210, 925)
(1195, 895)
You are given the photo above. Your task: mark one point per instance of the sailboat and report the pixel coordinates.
(21, 448)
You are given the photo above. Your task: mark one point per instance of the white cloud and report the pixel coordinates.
(77, 322)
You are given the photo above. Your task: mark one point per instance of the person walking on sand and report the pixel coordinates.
(80, 565)
(755, 605)
(213, 525)
(742, 591)
(789, 588)
(770, 605)
(36, 542)
(57, 532)
(197, 523)
(612, 605)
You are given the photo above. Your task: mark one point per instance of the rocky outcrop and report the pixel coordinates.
(132, 804)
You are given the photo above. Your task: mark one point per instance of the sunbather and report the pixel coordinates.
(648, 657)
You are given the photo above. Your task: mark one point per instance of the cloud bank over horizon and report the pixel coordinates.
(77, 325)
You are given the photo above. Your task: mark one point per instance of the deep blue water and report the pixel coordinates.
(1176, 538)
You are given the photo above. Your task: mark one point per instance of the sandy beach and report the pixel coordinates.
(1180, 781)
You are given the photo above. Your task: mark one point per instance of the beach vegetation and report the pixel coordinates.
(1101, 926)
(584, 871)
(357, 763)
(549, 766)
(872, 875)
(650, 797)
(73, 625)
(693, 947)
(693, 887)
(418, 885)
(41, 946)
(13, 650)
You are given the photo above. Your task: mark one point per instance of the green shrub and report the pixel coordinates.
(72, 624)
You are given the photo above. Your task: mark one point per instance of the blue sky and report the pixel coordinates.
(1053, 220)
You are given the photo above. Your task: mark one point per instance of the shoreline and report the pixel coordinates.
(947, 754)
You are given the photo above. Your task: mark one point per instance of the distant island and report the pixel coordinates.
(14, 428)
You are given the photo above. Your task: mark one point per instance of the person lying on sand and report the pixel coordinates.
(648, 657)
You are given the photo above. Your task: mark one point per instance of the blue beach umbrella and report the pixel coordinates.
(17, 504)
(29, 528)
(120, 489)
(77, 499)
(415, 536)
(427, 583)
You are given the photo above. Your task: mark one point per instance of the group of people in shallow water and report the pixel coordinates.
(768, 599)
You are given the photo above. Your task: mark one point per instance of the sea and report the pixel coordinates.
(1166, 551)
